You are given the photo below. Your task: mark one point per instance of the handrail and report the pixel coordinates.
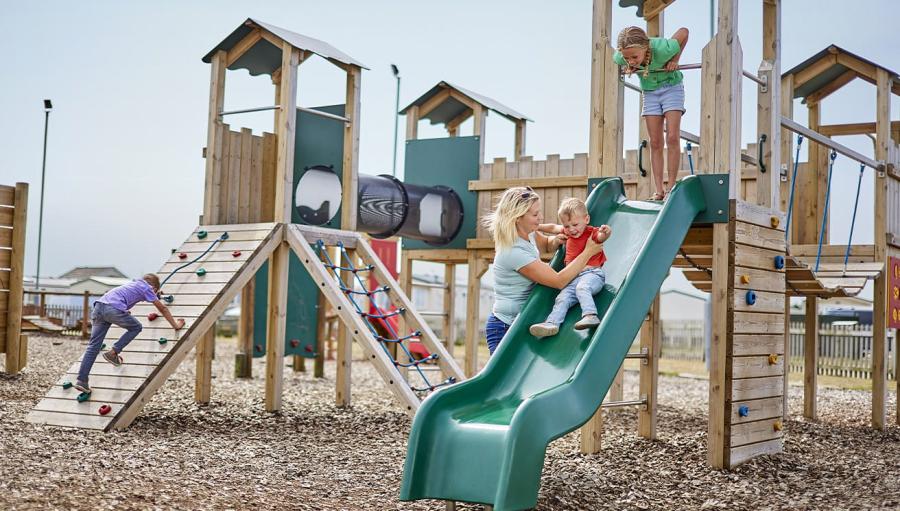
(312, 111)
(817, 137)
(695, 139)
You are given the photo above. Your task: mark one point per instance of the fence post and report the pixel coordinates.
(85, 315)
(42, 307)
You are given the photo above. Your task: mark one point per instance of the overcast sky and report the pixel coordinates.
(124, 169)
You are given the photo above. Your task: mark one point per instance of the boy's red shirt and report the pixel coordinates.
(575, 246)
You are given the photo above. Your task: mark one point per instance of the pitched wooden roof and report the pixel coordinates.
(830, 70)
(457, 102)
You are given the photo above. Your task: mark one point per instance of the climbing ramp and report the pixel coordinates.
(331, 258)
(200, 279)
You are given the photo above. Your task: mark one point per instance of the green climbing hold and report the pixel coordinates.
(84, 396)
(169, 298)
(163, 340)
(201, 234)
(67, 385)
(201, 272)
(103, 346)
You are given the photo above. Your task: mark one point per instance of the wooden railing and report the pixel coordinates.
(75, 319)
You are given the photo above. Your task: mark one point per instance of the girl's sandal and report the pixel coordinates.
(666, 195)
(657, 196)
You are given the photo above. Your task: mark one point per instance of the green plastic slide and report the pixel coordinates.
(484, 440)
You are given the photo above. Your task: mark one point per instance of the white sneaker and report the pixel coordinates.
(588, 321)
(544, 329)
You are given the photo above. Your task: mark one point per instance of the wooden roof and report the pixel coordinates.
(455, 101)
(646, 8)
(831, 69)
(261, 52)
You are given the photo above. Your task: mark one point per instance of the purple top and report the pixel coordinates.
(124, 297)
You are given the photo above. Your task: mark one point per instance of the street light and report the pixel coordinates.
(48, 106)
(396, 117)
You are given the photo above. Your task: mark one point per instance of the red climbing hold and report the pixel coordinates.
(308, 348)
(104, 409)
(236, 253)
(258, 348)
(152, 316)
(295, 343)
(182, 255)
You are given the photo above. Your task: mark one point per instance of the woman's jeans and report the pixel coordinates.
(494, 330)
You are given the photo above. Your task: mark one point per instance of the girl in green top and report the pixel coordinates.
(655, 59)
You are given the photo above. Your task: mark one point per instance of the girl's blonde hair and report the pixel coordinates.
(501, 222)
(635, 37)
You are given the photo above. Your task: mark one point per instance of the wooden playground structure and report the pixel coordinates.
(768, 242)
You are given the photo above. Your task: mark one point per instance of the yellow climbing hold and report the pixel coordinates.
(745, 279)
(773, 359)
(777, 426)
(775, 221)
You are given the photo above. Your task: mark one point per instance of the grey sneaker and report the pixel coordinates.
(112, 357)
(544, 329)
(588, 321)
(83, 386)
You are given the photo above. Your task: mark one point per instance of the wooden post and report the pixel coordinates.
(645, 187)
(42, 303)
(321, 337)
(519, 151)
(213, 135)
(810, 358)
(449, 326)
(477, 267)
(298, 364)
(14, 346)
(350, 182)
(344, 347)
(607, 98)
(717, 436)
(243, 367)
(787, 154)
(651, 337)
(617, 390)
(768, 118)
(203, 373)
(479, 117)
(278, 261)
(787, 353)
(85, 315)
(880, 302)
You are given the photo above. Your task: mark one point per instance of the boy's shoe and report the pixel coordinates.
(82, 386)
(588, 321)
(544, 329)
(112, 357)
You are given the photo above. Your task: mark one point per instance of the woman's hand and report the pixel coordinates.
(593, 248)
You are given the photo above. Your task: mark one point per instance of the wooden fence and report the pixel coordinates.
(844, 351)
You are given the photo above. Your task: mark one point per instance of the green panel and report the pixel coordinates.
(484, 439)
(715, 192)
(319, 141)
(450, 162)
(301, 313)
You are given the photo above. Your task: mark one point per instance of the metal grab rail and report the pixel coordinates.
(312, 111)
(817, 137)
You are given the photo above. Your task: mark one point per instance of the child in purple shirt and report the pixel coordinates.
(113, 309)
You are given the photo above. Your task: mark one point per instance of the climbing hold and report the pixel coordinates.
(223, 237)
(295, 343)
(152, 316)
(308, 348)
(201, 272)
(773, 359)
(103, 346)
(751, 297)
(173, 250)
(744, 411)
(67, 385)
(258, 348)
(182, 255)
(84, 396)
(169, 298)
(775, 222)
(777, 426)
(236, 253)
(201, 234)
(104, 409)
(779, 262)
(163, 340)
(745, 279)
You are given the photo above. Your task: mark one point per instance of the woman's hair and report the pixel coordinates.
(635, 37)
(501, 222)
(153, 280)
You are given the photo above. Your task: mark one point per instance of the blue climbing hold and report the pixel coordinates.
(744, 411)
(779, 262)
(168, 298)
(84, 396)
(224, 236)
(751, 297)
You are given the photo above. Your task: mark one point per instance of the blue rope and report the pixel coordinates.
(221, 238)
(412, 361)
(787, 228)
(825, 211)
(862, 169)
(690, 156)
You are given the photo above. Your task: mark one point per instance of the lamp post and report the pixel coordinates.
(396, 118)
(48, 106)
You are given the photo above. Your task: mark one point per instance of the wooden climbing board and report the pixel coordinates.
(198, 299)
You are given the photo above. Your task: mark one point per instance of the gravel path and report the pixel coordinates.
(233, 455)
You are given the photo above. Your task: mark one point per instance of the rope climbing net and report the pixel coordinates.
(346, 264)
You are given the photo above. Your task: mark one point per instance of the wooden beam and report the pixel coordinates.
(787, 155)
(285, 133)
(534, 182)
(453, 124)
(601, 57)
(214, 134)
(239, 49)
(654, 7)
(865, 70)
(433, 102)
(275, 327)
(519, 150)
(717, 439)
(14, 347)
(449, 326)
(477, 267)
(768, 184)
(480, 119)
(880, 309)
(412, 123)
(350, 181)
(814, 70)
(810, 358)
(651, 339)
(203, 371)
(832, 87)
(243, 367)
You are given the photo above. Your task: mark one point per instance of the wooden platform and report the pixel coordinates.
(199, 300)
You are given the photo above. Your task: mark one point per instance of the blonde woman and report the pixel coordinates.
(515, 224)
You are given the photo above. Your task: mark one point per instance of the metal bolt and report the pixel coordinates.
(721, 212)
(721, 181)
